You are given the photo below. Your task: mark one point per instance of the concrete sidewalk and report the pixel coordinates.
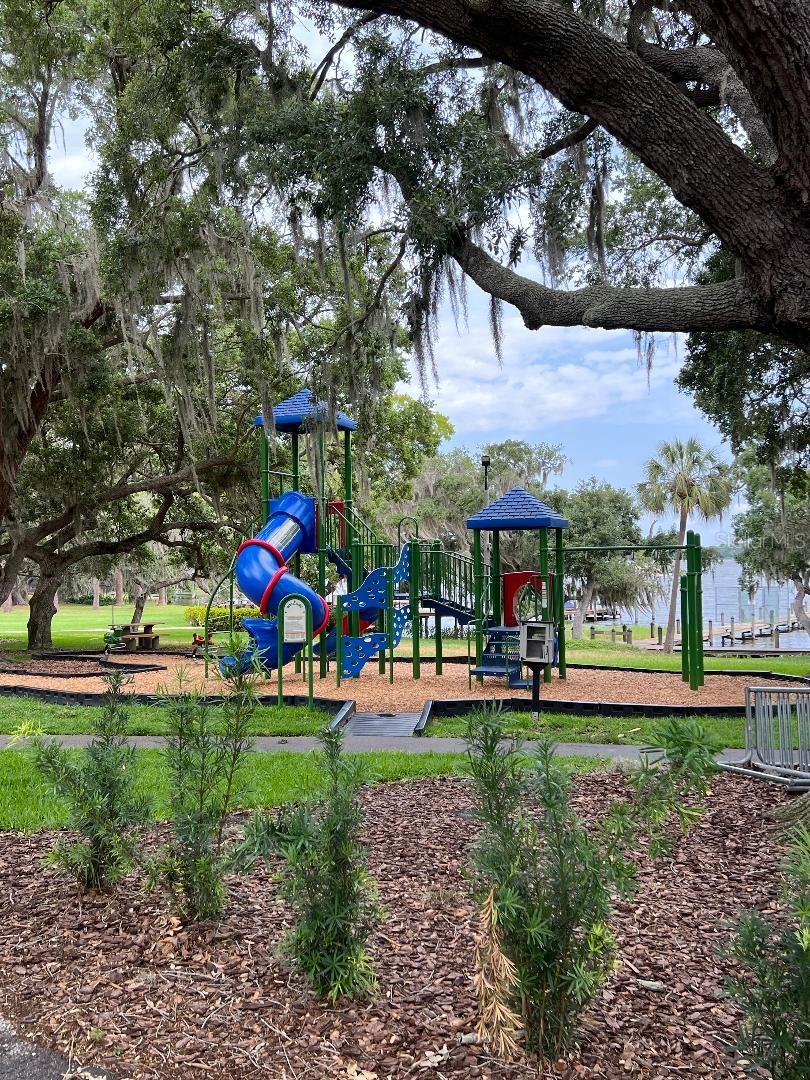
(359, 744)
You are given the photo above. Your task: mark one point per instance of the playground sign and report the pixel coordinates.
(295, 621)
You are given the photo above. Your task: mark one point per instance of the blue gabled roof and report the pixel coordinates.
(517, 509)
(298, 412)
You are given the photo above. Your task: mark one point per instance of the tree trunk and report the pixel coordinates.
(8, 604)
(669, 640)
(162, 596)
(579, 615)
(118, 580)
(96, 593)
(802, 590)
(42, 610)
(140, 603)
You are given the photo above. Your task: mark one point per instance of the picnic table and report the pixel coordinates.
(133, 637)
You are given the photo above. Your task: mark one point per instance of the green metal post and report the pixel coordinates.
(296, 462)
(698, 557)
(321, 505)
(684, 635)
(544, 576)
(478, 594)
(264, 456)
(389, 621)
(559, 583)
(356, 558)
(495, 579)
(382, 621)
(436, 590)
(347, 474)
(339, 638)
(296, 486)
(280, 650)
(691, 600)
(415, 599)
(308, 649)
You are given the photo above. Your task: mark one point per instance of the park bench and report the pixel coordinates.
(777, 736)
(131, 637)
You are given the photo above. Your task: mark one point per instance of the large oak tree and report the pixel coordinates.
(657, 76)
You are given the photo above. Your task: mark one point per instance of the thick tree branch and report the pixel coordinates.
(741, 201)
(768, 42)
(728, 306)
(706, 65)
(595, 75)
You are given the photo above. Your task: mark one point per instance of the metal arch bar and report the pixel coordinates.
(412, 521)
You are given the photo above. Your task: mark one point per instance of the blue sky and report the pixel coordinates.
(583, 388)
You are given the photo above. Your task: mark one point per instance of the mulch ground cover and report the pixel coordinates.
(121, 983)
(373, 690)
(68, 667)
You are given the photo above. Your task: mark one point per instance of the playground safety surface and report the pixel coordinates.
(372, 691)
(121, 982)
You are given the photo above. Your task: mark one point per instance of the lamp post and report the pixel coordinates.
(485, 463)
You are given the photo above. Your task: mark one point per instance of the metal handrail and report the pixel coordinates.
(411, 520)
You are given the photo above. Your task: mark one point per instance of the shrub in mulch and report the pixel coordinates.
(124, 983)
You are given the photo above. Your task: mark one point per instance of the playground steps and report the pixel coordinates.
(398, 725)
(449, 609)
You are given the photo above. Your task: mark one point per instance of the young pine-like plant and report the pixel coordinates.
(99, 786)
(325, 879)
(772, 986)
(205, 754)
(549, 881)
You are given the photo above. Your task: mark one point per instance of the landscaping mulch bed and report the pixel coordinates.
(69, 667)
(372, 691)
(120, 981)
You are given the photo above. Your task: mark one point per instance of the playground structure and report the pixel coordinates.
(389, 586)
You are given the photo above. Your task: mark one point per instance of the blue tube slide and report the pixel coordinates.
(263, 576)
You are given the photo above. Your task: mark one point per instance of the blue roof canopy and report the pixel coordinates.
(299, 412)
(517, 509)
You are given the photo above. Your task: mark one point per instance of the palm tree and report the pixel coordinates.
(688, 479)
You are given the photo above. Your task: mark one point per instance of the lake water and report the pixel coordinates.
(723, 598)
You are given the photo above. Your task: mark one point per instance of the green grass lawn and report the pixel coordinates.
(144, 719)
(79, 626)
(565, 727)
(27, 803)
(602, 653)
(292, 720)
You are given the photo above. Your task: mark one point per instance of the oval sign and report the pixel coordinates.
(295, 622)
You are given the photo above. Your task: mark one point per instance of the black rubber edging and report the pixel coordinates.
(462, 706)
(424, 718)
(343, 715)
(77, 697)
(127, 669)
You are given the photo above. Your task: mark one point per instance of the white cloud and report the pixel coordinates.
(72, 170)
(554, 375)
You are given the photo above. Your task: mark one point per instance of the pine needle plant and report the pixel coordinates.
(549, 881)
(99, 786)
(496, 983)
(325, 878)
(772, 983)
(205, 754)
